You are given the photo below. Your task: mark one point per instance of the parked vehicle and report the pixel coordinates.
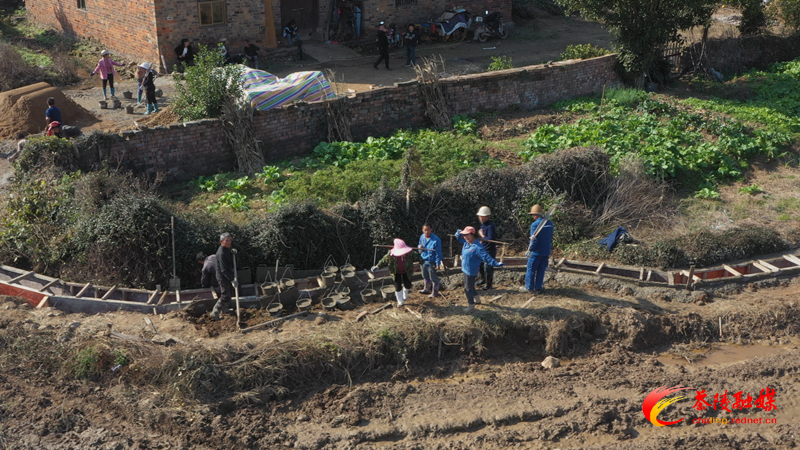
(395, 38)
(454, 23)
(491, 25)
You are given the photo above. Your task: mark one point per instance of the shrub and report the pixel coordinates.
(464, 125)
(14, 71)
(788, 12)
(204, 87)
(584, 51)
(45, 151)
(500, 63)
(754, 20)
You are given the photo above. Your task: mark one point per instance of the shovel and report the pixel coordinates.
(236, 290)
(174, 282)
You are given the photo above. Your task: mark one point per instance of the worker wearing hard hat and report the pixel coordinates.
(487, 233)
(541, 244)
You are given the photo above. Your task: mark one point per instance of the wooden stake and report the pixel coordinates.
(15, 279)
(43, 303)
(494, 299)
(414, 313)
(110, 291)
(265, 324)
(526, 303)
(150, 323)
(163, 297)
(49, 284)
(83, 290)
(690, 277)
(720, 327)
(154, 294)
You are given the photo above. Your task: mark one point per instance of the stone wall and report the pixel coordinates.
(737, 55)
(126, 27)
(185, 151)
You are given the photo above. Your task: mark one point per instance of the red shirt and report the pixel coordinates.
(401, 264)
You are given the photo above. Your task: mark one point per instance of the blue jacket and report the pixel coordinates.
(472, 255)
(489, 233)
(434, 243)
(543, 244)
(54, 114)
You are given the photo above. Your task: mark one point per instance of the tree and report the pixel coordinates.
(206, 86)
(788, 11)
(641, 26)
(754, 19)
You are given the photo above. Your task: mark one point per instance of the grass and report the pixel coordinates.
(34, 57)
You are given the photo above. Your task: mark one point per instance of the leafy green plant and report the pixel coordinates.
(707, 194)
(232, 200)
(204, 87)
(239, 184)
(212, 183)
(584, 51)
(464, 125)
(500, 63)
(753, 189)
(270, 174)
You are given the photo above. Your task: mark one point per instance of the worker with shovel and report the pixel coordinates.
(225, 274)
(541, 244)
(471, 256)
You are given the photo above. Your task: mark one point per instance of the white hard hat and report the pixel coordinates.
(105, 52)
(145, 65)
(484, 211)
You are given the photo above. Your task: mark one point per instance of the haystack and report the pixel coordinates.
(22, 110)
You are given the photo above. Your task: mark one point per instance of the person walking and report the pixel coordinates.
(541, 244)
(148, 75)
(53, 114)
(487, 233)
(400, 260)
(290, 31)
(225, 276)
(185, 55)
(471, 256)
(208, 274)
(432, 259)
(412, 39)
(106, 68)
(383, 47)
(251, 54)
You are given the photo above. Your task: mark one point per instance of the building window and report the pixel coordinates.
(404, 2)
(81, 4)
(212, 13)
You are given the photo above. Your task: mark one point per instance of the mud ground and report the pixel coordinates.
(497, 398)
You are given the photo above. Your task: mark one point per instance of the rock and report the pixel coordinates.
(700, 297)
(74, 325)
(303, 418)
(551, 363)
(9, 305)
(626, 291)
(338, 420)
(320, 320)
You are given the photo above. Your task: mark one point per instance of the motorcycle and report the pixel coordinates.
(395, 38)
(491, 25)
(453, 24)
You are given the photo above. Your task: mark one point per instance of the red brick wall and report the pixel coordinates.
(125, 27)
(198, 148)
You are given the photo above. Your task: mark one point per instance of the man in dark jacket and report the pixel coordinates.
(225, 275)
(412, 38)
(383, 47)
(487, 233)
(251, 54)
(185, 54)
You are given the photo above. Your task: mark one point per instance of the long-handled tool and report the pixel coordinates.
(414, 248)
(236, 290)
(174, 282)
(542, 223)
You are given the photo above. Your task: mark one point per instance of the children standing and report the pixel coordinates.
(471, 256)
(107, 72)
(433, 259)
(148, 87)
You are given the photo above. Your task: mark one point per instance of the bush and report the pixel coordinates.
(204, 87)
(45, 151)
(500, 63)
(14, 71)
(788, 12)
(584, 51)
(754, 20)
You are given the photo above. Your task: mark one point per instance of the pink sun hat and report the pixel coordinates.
(468, 230)
(400, 248)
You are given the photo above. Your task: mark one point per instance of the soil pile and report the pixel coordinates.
(164, 117)
(22, 110)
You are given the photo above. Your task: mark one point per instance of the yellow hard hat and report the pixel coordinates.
(537, 209)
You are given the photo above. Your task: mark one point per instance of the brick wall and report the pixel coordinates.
(385, 10)
(185, 151)
(176, 20)
(125, 27)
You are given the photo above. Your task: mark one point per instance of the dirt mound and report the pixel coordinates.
(23, 110)
(164, 117)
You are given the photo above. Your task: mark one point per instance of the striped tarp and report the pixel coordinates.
(266, 91)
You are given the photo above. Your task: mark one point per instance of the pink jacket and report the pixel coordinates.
(106, 68)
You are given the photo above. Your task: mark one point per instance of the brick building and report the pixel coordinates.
(146, 30)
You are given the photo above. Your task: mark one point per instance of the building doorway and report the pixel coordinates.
(304, 12)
